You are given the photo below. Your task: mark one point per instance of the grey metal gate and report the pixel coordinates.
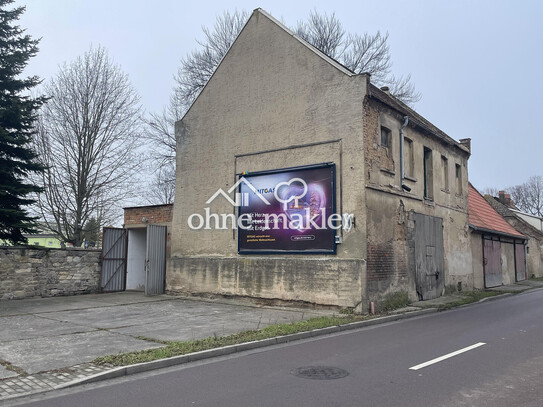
(114, 249)
(520, 262)
(492, 262)
(155, 260)
(429, 256)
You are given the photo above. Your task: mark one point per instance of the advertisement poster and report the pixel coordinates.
(288, 211)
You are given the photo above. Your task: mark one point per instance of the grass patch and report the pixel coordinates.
(468, 297)
(182, 348)
(13, 368)
(536, 278)
(392, 301)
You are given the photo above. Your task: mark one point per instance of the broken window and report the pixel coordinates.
(458, 179)
(385, 137)
(445, 172)
(428, 174)
(408, 158)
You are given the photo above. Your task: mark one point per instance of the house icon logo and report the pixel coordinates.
(240, 199)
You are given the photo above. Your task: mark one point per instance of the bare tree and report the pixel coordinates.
(360, 53)
(89, 134)
(325, 33)
(192, 76)
(162, 189)
(494, 192)
(528, 197)
(199, 65)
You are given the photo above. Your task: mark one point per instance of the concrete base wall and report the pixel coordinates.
(33, 272)
(323, 281)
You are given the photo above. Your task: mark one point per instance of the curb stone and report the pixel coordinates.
(230, 349)
(121, 371)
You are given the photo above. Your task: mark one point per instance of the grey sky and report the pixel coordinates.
(478, 65)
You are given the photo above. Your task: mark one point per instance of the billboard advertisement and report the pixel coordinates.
(290, 210)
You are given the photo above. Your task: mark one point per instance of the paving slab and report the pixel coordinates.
(531, 283)
(33, 326)
(5, 373)
(84, 301)
(436, 302)
(40, 354)
(51, 333)
(510, 287)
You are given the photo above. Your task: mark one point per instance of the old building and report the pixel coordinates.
(498, 249)
(281, 129)
(529, 225)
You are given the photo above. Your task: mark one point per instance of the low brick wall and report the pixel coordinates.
(44, 272)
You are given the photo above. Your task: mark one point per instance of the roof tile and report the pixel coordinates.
(482, 215)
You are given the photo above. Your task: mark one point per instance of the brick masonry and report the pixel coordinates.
(155, 214)
(45, 272)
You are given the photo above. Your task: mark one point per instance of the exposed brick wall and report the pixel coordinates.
(381, 261)
(375, 155)
(45, 272)
(154, 214)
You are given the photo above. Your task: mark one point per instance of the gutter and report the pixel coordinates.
(495, 232)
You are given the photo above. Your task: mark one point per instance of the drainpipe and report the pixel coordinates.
(406, 120)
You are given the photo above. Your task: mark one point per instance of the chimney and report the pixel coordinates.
(466, 142)
(386, 89)
(501, 197)
(507, 200)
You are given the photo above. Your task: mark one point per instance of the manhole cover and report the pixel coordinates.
(320, 372)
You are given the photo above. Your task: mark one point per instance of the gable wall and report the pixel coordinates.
(270, 92)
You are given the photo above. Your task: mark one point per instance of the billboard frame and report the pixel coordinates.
(332, 167)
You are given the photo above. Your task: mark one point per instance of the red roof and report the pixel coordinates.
(482, 215)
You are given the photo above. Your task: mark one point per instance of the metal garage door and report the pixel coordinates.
(155, 260)
(114, 250)
(492, 262)
(520, 262)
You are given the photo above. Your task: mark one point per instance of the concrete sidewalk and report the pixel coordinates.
(51, 340)
(47, 343)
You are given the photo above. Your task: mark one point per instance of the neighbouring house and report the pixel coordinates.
(43, 238)
(498, 249)
(282, 132)
(529, 225)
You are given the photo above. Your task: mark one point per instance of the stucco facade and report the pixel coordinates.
(390, 207)
(276, 102)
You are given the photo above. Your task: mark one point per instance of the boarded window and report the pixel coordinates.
(458, 179)
(428, 174)
(409, 163)
(385, 137)
(445, 173)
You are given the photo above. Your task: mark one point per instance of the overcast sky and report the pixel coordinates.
(478, 64)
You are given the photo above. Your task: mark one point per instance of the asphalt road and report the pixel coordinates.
(504, 367)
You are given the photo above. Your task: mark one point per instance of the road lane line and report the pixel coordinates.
(447, 356)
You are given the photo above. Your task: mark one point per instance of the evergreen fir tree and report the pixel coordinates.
(17, 114)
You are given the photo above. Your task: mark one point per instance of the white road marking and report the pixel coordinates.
(447, 356)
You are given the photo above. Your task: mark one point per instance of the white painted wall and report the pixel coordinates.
(535, 221)
(137, 239)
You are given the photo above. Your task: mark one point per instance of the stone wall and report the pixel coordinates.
(45, 272)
